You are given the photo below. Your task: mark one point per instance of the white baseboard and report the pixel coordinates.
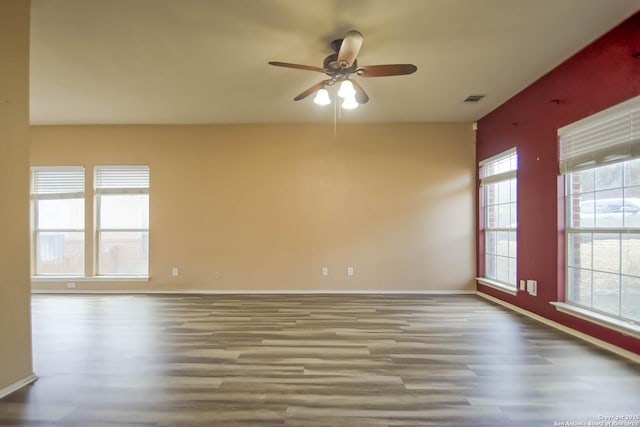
(588, 338)
(5, 391)
(251, 292)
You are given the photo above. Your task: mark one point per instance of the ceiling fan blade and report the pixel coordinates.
(386, 70)
(361, 95)
(349, 49)
(312, 89)
(297, 66)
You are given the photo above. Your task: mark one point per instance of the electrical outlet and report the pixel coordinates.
(522, 285)
(174, 271)
(325, 271)
(217, 275)
(349, 271)
(71, 285)
(532, 287)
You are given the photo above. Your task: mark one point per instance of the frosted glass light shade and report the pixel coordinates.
(322, 97)
(346, 89)
(350, 103)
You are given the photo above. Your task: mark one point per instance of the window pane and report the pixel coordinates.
(491, 194)
(631, 298)
(632, 172)
(513, 250)
(502, 269)
(582, 209)
(60, 214)
(581, 182)
(60, 253)
(503, 243)
(504, 215)
(580, 290)
(606, 252)
(630, 253)
(512, 271)
(606, 292)
(491, 216)
(609, 208)
(490, 266)
(491, 242)
(579, 247)
(123, 253)
(631, 207)
(124, 211)
(607, 177)
(504, 191)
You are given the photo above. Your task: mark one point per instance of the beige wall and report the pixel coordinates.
(267, 206)
(15, 327)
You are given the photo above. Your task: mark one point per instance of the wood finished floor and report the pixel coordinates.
(320, 360)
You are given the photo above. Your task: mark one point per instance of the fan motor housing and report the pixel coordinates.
(331, 63)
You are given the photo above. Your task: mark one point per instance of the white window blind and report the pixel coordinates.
(610, 136)
(62, 182)
(499, 168)
(134, 179)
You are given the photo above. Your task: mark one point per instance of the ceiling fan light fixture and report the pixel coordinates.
(339, 66)
(350, 103)
(346, 90)
(322, 97)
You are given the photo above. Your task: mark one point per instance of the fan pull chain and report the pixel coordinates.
(335, 116)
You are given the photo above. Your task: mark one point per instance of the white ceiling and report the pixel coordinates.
(205, 61)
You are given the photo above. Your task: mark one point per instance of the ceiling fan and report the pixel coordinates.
(339, 66)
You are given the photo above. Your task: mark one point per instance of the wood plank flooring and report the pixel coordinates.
(310, 360)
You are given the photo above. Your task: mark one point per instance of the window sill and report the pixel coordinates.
(497, 285)
(626, 328)
(90, 279)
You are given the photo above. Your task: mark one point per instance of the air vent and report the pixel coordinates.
(474, 98)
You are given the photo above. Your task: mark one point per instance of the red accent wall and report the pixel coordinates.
(603, 74)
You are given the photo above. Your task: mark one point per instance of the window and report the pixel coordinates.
(122, 220)
(600, 158)
(498, 195)
(57, 195)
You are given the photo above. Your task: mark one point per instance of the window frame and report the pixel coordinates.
(607, 138)
(619, 231)
(36, 231)
(100, 191)
(490, 176)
